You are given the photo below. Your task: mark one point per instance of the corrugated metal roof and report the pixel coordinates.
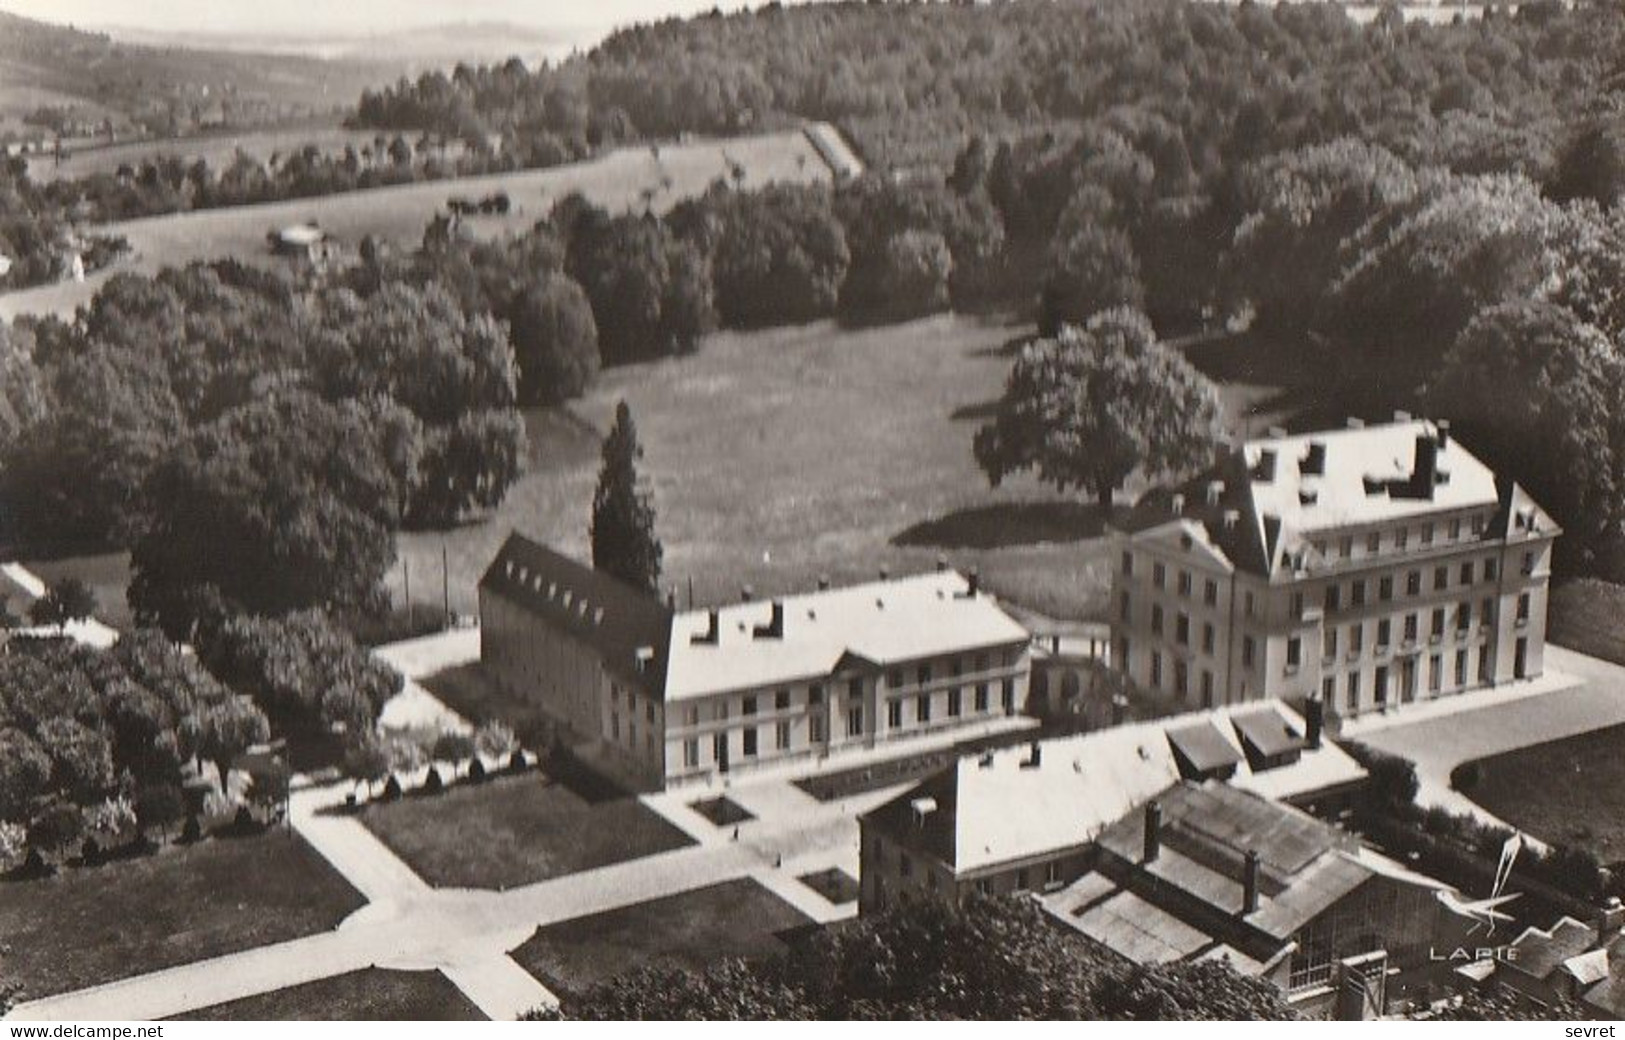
(1138, 930)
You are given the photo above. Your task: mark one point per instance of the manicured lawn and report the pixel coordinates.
(693, 930)
(107, 574)
(778, 455)
(515, 831)
(1570, 791)
(834, 884)
(1588, 615)
(369, 995)
(88, 926)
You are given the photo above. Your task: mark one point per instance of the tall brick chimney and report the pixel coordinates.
(1249, 883)
(1153, 832)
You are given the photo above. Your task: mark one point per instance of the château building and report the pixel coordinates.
(1373, 567)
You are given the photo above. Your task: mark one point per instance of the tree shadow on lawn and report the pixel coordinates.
(1008, 524)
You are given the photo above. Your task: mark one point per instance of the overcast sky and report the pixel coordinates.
(313, 17)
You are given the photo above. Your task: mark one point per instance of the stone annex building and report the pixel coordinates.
(656, 696)
(1372, 566)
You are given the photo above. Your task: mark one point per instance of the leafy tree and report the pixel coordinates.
(1300, 207)
(494, 740)
(1536, 391)
(224, 730)
(623, 518)
(915, 274)
(1591, 163)
(159, 806)
(468, 465)
(555, 341)
(81, 760)
(25, 772)
(65, 600)
(303, 671)
(1093, 405)
(453, 749)
(13, 847)
(779, 255)
(1494, 1003)
(281, 505)
(365, 761)
(55, 827)
(1091, 270)
(111, 821)
(1180, 991)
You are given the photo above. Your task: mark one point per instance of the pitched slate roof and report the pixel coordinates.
(1266, 503)
(1207, 830)
(1081, 784)
(614, 618)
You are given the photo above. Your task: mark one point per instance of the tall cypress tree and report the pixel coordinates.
(623, 518)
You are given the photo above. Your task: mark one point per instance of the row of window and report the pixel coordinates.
(1413, 584)
(1400, 537)
(1409, 624)
(1184, 582)
(1181, 686)
(1382, 681)
(981, 696)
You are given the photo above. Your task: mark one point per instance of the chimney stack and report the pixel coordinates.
(774, 629)
(1249, 883)
(973, 584)
(942, 562)
(885, 572)
(1265, 469)
(1176, 504)
(1119, 709)
(1425, 475)
(1232, 517)
(671, 599)
(1443, 426)
(1153, 832)
(1215, 491)
(1314, 721)
(1402, 416)
(1314, 460)
(823, 583)
(747, 594)
(1277, 432)
(1355, 423)
(1035, 756)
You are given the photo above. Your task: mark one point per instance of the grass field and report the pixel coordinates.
(516, 831)
(1534, 789)
(691, 931)
(1584, 614)
(218, 150)
(107, 574)
(616, 181)
(93, 925)
(369, 995)
(780, 455)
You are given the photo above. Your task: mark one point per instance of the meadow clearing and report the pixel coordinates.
(217, 149)
(619, 180)
(779, 455)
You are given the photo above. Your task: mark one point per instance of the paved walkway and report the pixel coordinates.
(415, 708)
(1488, 724)
(467, 933)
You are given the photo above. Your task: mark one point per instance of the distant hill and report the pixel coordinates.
(419, 48)
(72, 82)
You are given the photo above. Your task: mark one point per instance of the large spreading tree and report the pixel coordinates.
(278, 506)
(1092, 405)
(623, 517)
